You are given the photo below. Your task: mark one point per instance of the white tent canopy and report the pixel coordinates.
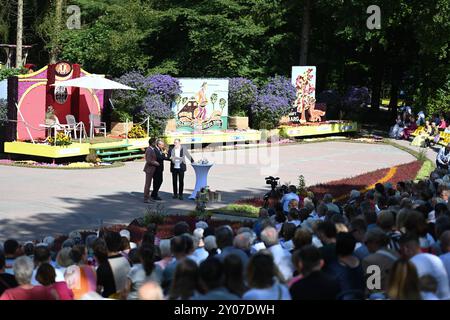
(93, 81)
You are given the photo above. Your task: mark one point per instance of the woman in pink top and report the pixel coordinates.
(23, 270)
(46, 276)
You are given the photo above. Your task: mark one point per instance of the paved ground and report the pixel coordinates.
(38, 202)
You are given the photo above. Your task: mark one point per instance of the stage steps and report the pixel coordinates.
(117, 153)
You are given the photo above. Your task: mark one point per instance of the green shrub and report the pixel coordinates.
(440, 102)
(154, 214)
(120, 116)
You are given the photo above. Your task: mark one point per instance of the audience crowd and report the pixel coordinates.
(392, 242)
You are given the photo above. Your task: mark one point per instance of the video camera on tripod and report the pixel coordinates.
(273, 182)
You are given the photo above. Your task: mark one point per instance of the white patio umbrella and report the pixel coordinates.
(93, 81)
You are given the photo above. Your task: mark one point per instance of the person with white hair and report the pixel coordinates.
(200, 254)
(211, 245)
(23, 270)
(281, 257)
(166, 255)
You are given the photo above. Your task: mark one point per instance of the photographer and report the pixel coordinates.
(288, 197)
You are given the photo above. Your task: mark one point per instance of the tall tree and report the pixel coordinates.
(19, 33)
(306, 26)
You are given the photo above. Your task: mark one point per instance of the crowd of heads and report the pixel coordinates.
(392, 242)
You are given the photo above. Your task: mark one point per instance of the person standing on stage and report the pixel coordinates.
(161, 155)
(151, 164)
(178, 153)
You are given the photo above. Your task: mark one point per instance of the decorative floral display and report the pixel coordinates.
(137, 132)
(242, 95)
(268, 110)
(61, 139)
(281, 87)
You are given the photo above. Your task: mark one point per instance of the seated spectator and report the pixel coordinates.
(180, 228)
(185, 280)
(11, 250)
(23, 270)
(112, 273)
(144, 271)
(326, 232)
(442, 124)
(293, 217)
(180, 246)
(42, 255)
(445, 246)
(314, 284)
(200, 254)
(379, 255)
(281, 257)
(166, 255)
(63, 259)
(7, 281)
(409, 129)
(261, 272)
(347, 268)
(279, 219)
(328, 201)
(28, 249)
(211, 275)
(80, 277)
(443, 157)
(425, 263)
(386, 222)
(233, 272)
(302, 237)
(287, 235)
(151, 291)
(395, 130)
(358, 230)
(403, 282)
(291, 195)
(224, 239)
(244, 241)
(211, 245)
(46, 276)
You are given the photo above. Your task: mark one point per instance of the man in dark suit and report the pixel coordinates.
(158, 175)
(151, 164)
(177, 154)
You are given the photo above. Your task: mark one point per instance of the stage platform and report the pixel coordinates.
(77, 149)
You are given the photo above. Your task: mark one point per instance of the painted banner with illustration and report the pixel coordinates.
(304, 80)
(202, 105)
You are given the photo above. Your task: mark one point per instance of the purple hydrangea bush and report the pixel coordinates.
(153, 98)
(268, 110)
(242, 95)
(356, 97)
(280, 86)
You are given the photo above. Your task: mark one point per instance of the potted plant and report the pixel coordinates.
(119, 122)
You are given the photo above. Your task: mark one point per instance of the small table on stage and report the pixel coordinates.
(201, 175)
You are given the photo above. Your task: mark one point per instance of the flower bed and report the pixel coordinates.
(340, 189)
(45, 165)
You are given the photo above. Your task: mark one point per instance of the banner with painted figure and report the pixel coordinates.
(202, 105)
(304, 81)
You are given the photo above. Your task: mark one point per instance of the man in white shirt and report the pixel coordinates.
(443, 157)
(426, 264)
(281, 257)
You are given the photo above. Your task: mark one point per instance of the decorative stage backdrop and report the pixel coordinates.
(202, 105)
(304, 81)
(33, 94)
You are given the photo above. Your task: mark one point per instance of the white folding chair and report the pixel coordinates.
(95, 123)
(74, 126)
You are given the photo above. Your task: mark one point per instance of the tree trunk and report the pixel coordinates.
(54, 52)
(377, 79)
(395, 86)
(306, 26)
(19, 33)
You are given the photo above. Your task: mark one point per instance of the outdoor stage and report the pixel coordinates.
(77, 149)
